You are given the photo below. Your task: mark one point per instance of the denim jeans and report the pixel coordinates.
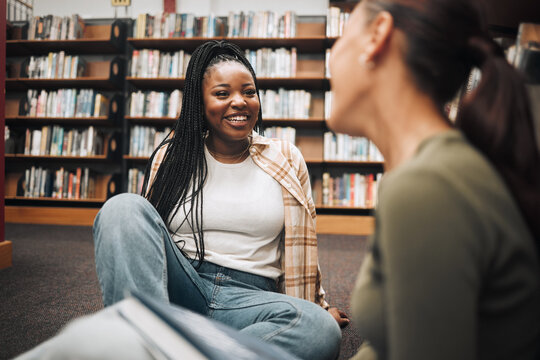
(135, 251)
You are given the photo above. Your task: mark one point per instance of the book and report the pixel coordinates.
(171, 330)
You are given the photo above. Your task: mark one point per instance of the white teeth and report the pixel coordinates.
(237, 118)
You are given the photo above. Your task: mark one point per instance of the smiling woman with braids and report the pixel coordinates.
(454, 271)
(225, 226)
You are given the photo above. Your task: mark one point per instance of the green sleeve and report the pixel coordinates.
(429, 254)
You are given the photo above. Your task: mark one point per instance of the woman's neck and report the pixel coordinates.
(398, 130)
(229, 152)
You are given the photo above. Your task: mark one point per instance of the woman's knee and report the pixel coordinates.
(316, 332)
(121, 207)
(326, 335)
(122, 221)
(122, 213)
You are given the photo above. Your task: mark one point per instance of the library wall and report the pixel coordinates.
(104, 9)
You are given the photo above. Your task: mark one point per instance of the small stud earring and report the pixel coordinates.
(363, 60)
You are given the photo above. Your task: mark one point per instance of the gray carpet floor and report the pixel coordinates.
(53, 280)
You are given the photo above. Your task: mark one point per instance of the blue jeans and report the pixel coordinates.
(135, 251)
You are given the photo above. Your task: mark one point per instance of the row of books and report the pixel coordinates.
(267, 62)
(66, 103)
(58, 184)
(351, 190)
(327, 54)
(52, 27)
(336, 19)
(56, 66)
(58, 141)
(343, 147)
(327, 104)
(18, 10)
(144, 139)
(135, 180)
(293, 104)
(284, 133)
(273, 63)
(262, 24)
(152, 63)
(355, 190)
(336, 147)
(155, 104)
(178, 25)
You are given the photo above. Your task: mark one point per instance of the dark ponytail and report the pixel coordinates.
(496, 117)
(445, 40)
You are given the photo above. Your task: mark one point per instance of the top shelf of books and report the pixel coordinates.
(248, 30)
(45, 34)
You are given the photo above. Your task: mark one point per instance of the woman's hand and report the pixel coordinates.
(341, 318)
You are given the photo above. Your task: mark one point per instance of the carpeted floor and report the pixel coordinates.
(53, 280)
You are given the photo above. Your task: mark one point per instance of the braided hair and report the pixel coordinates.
(180, 178)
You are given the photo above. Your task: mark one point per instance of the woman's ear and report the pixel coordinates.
(380, 31)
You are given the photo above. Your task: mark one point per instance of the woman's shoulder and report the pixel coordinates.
(449, 178)
(448, 161)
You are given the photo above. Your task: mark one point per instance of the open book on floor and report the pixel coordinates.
(173, 332)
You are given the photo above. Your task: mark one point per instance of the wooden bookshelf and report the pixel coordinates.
(6, 251)
(375, 164)
(169, 121)
(345, 224)
(313, 122)
(52, 215)
(315, 43)
(97, 74)
(106, 39)
(101, 121)
(326, 224)
(304, 82)
(105, 185)
(105, 75)
(16, 105)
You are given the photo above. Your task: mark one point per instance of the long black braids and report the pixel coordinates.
(183, 170)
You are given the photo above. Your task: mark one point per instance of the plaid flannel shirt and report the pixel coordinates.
(299, 257)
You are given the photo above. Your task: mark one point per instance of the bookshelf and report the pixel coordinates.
(110, 73)
(64, 121)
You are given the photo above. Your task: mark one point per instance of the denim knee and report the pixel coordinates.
(123, 213)
(121, 207)
(311, 333)
(326, 335)
(129, 248)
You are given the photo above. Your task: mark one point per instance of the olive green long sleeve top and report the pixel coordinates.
(453, 272)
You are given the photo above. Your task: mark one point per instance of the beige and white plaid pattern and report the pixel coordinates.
(299, 259)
